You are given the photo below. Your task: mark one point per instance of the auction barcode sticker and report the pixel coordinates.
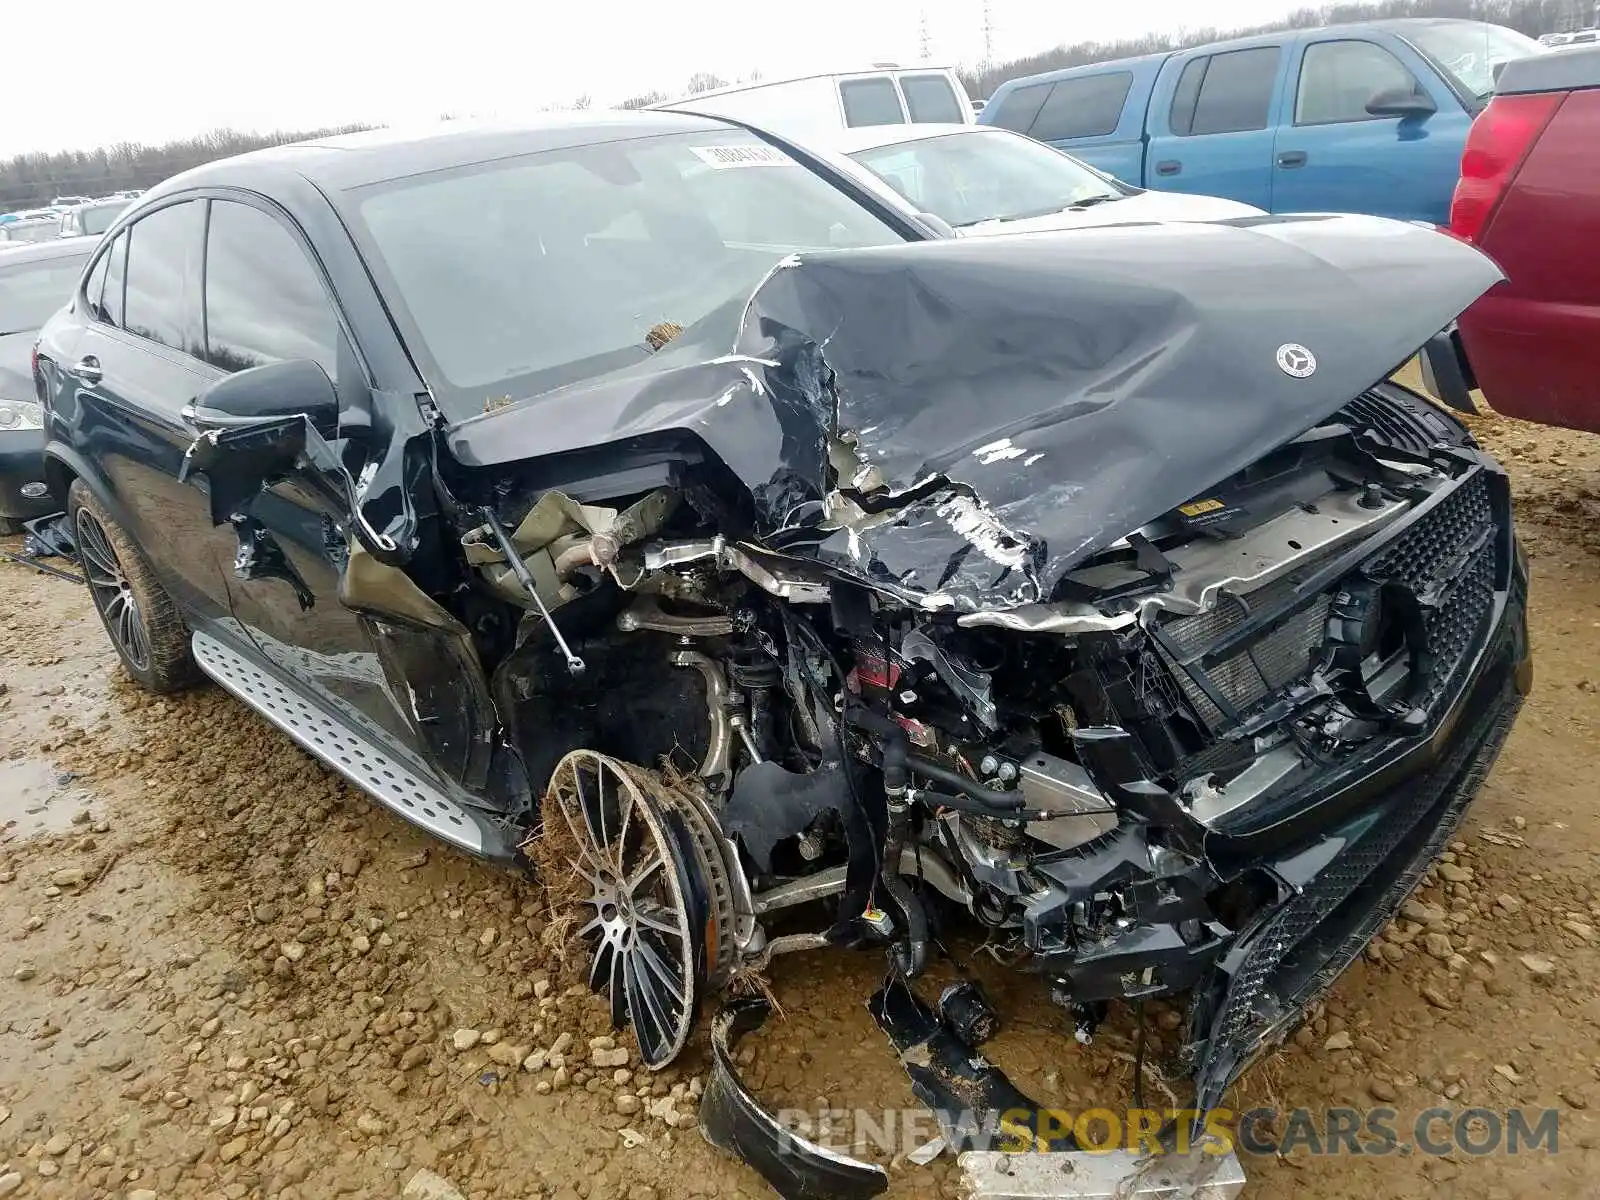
(721, 158)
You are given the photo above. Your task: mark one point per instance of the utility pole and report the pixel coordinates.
(988, 36)
(927, 46)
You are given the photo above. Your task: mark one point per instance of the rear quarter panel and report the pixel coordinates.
(1534, 340)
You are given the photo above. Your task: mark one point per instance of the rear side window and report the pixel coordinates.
(159, 260)
(931, 99)
(264, 301)
(1236, 92)
(1090, 106)
(116, 274)
(1018, 109)
(1337, 79)
(1181, 119)
(871, 102)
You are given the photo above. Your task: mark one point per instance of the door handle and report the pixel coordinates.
(87, 370)
(1170, 166)
(1292, 158)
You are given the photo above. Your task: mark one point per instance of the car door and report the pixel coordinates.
(125, 384)
(1211, 125)
(1334, 156)
(266, 300)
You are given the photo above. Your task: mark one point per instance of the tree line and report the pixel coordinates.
(31, 180)
(1532, 17)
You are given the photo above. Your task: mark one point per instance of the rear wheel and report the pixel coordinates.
(10, 525)
(141, 619)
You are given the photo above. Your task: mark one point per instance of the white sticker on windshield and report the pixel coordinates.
(722, 158)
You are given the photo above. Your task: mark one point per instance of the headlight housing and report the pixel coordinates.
(20, 414)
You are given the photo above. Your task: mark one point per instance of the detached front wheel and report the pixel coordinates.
(617, 853)
(139, 616)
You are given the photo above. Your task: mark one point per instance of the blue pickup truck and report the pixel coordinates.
(1365, 118)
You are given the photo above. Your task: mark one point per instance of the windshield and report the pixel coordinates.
(985, 176)
(97, 218)
(1469, 51)
(30, 293)
(530, 273)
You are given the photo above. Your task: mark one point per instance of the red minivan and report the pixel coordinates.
(1529, 197)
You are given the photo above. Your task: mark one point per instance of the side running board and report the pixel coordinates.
(343, 747)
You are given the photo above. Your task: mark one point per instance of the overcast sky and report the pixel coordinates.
(161, 69)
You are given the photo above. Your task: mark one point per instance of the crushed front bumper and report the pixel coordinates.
(1277, 968)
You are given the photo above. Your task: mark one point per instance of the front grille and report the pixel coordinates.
(1421, 552)
(1448, 556)
(1304, 946)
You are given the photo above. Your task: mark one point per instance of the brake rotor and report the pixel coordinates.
(637, 860)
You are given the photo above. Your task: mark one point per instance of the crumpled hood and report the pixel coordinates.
(1040, 396)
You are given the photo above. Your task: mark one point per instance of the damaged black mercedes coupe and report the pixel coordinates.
(634, 493)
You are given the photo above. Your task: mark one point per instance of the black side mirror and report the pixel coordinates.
(299, 387)
(1401, 102)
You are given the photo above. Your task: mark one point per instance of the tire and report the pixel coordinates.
(10, 525)
(141, 619)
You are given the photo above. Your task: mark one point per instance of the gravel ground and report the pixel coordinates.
(230, 975)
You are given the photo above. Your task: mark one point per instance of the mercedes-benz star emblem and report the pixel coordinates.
(1296, 360)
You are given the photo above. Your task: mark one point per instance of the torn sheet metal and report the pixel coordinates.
(1024, 401)
(732, 1119)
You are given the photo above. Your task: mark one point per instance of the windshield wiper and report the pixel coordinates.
(1090, 201)
(1046, 211)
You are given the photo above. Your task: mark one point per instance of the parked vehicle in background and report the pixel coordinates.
(1365, 118)
(34, 282)
(92, 218)
(814, 106)
(1529, 196)
(982, 180)
(69, 201)
(31, 229)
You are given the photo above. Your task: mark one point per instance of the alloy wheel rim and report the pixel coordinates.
(112, 592)
(633, 899)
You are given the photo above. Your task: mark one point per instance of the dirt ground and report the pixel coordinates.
(227, 974)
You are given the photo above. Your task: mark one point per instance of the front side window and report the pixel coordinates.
(993, 175)
(526, 274)
(31, 292)
(1236, 92)
(1337, 79)
(871, 102)
(931, 99)
(264, 301)
(161, 251)
(1088, 106)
